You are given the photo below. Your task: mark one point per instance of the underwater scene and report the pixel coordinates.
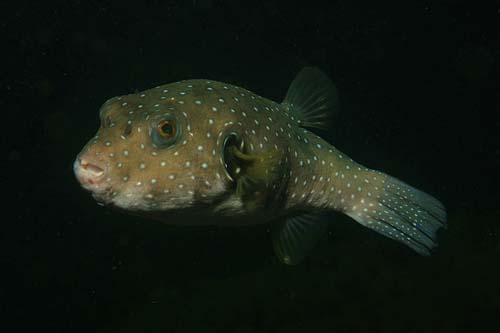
(250, 166)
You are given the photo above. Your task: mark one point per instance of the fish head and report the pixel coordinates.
(157, 151)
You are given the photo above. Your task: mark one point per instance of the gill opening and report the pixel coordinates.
(231, 168)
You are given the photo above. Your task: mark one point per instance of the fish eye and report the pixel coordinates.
(166, 129)
(165, 132)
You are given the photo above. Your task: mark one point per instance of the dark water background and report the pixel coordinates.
(418, 81)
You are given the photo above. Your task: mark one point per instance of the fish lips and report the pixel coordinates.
(91, 176)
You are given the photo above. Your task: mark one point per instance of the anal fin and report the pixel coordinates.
(295, 236)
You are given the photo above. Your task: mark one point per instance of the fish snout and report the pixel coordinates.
(88, 173)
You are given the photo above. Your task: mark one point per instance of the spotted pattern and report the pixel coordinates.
(141, 174)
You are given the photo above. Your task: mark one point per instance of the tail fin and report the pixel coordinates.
(399, 211)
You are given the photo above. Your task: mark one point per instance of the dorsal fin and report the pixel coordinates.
(312, 97)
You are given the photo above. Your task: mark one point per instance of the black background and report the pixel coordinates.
(419, 90)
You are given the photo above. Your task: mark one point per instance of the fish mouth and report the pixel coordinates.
(91, 176)
(88, 173)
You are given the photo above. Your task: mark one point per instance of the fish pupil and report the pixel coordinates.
(166, 129)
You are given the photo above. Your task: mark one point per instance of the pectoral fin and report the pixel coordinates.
(294, 237)
(259, 178)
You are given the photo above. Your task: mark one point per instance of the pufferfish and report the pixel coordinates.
(205, 152)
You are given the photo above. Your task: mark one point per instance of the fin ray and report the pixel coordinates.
(259, 183)
(313, 97)
(294, 237)
(401, 212)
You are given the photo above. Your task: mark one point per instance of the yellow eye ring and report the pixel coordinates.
(167, 129)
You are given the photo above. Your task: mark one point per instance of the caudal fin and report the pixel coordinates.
(399, 211)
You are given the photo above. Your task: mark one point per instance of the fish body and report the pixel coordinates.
(207, 152)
